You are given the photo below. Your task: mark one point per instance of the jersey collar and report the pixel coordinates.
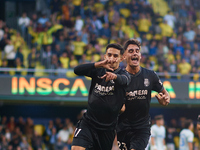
(135, 75)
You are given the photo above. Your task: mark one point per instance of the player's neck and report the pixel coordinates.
(133, 70)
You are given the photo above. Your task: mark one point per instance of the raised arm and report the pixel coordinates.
(121, 79)
(89, 68)
(84, 69)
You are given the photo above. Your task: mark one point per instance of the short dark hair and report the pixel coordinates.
(187, 123)
(158, 117)
(132, 41)
(117, 46)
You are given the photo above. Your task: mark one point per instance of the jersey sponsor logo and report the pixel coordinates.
(104, 90)
(146, 82)
(137, 94)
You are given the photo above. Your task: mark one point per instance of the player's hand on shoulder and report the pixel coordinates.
(163, 99)
(109, 76)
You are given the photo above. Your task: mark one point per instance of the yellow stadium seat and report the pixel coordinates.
(196, 77)
(39, 129)
(39, 73)
(12, 72)
(24, 73)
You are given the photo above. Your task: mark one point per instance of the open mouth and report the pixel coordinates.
(134, 59)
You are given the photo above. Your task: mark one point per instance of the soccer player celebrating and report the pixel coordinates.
(96, 130)
(133, 129)
(186, 136)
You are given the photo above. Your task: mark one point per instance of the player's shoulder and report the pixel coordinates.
(148, 71)
(122, 71)
(154, 126)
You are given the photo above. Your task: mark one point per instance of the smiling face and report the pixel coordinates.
(132, 55)
(114, 56)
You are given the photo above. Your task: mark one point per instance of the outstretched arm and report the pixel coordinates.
(122, 79)
(163, 97)
(86, 69)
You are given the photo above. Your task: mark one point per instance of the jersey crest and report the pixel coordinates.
(146, 82)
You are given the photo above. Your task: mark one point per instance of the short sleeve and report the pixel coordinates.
(153, 131)
(157, 84)
(191, 137)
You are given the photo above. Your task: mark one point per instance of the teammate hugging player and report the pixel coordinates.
(96, 130)
(133, 129)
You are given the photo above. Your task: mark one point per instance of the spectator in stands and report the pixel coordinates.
(153, 48)
(58, 52)
(79, 23)
(4, 65)
(11, 124)
(7, 134)
(52, 138)
(184, 68)
(33, 57)
(18, 66)
(46, 56)
(4, 122)
(42, 20)
(106, 31)
(59, 144)
(61, 42)
(21, 124)
(24, 144)
(19, 54)
(24, 22)
(58, 124)
(55, 63)
(3, 143)
(10, 53)
(64, 60)
(37, 141)
(3, 43)
(78, 48)
(171, 19)
(29, 128)
(16, 138)
(73, 62)
(64, 133)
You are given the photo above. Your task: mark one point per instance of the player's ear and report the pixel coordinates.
(104, 56)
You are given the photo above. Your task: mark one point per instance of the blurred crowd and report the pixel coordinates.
(57, 134)
(77, 31)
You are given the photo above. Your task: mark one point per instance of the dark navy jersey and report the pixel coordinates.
(105, 99)
(138, 98)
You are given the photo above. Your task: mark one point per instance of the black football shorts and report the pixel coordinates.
(93, 139)
(133, 139)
